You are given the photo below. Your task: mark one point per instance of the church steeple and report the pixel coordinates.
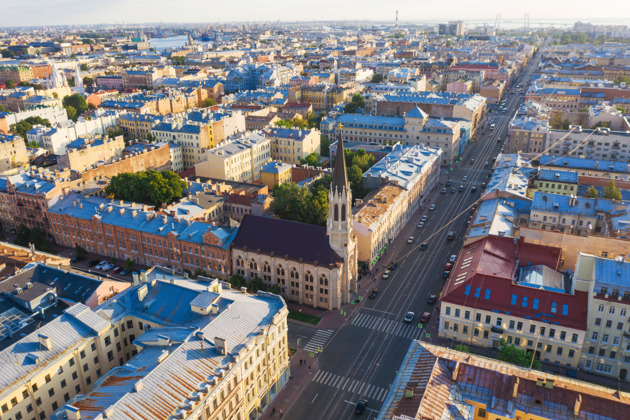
(340, 175)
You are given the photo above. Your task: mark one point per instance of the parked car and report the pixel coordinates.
(101, 264)
(74, 259)
(448, 266)
(409, 316)
(425, 318)
(386, 274)
(372, 293)
(432, 298)
(116, 269)
(123, 272)
(393, 266)
(361, 406)
(453, 258)
(446, 274)
(92, 263)
(432, 207)
(107, 267)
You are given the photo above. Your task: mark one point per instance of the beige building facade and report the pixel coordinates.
(12, 152)
(79, 157)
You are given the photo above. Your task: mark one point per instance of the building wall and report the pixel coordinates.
(291, 151)
(12, 152)
(80, 159)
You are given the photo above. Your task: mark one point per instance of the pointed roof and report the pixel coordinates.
(416, 113)
(340, 177)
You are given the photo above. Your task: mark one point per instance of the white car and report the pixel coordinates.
(432, 207)
(453, 258)
(100, 265)
(107, 267)
(420, 225)
(410, 240)
(409, 316)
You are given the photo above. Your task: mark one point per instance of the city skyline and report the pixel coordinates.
(73, 12)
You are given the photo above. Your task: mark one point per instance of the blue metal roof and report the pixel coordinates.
(613, 272)
(579, 163)
(558, 176)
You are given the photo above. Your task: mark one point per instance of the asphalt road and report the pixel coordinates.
(360, 360)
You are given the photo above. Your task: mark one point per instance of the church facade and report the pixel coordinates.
(312, 265)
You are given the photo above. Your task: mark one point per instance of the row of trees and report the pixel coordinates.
(35, 236)
(22, 127)
(358, 101)
(311, 121)
(75, 105)
(291, 202)
(237, 281)
(611, 192)
(149, 187)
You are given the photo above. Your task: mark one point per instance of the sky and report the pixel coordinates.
(78, 12)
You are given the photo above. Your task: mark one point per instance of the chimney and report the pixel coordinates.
(142, 291)
(455, 372)
(577, 405)
(136, 279)
(214, 308)
(220, 344)
(44, 340)
(143, 276)
(72, 413)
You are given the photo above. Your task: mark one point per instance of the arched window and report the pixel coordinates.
(323, 280)
(266, 267)
(308, 277)
(239, 261)
(343, 212)
(253, 265)
(336, 213)
(280, 271)
(295, 274)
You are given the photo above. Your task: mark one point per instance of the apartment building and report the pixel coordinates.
(82, 153)
(141, 79)
(105, 360)
(527, 135)
(556, 98)
(124, 230)
(137, 126)
(194, 139)
(275, 173)
(599, 144)
(322, 97)
(415, 128)
(504, 288)
(555, 182)
(237, 160)
(606, 349)
(12, 152)
(604, 169)
(291, 145)
(435, 382)
(16, 73)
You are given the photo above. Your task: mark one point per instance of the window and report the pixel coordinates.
(611, 310)
(552, 333)
(565, 309)
(511, 324)
(554, 307)
(532, 329)
(467, 315)
(598, 321)
(524, 301)
(595, 335)
(563, 335)
(487, 296)
(448, 310)
(477, 291)
(82, 354)
(499, 322)
(600, 308)
(519, 326)
(488, 318)
(574, 338)
(467, 290)
(535, 306)
(478, 317)
(456, 313)
(559, 351)
(571, 354)
(51, 392)
(605, 338)
(609, 323)
(514, 299)
(63, 383)
(108, 341)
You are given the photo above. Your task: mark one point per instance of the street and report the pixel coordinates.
(360, 359)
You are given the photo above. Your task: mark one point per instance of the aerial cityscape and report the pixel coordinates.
(263, 210)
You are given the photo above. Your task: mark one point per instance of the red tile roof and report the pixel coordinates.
(491, 264)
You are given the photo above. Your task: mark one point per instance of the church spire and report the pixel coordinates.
(340, 175)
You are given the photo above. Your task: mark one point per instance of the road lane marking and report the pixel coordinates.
(314, 398)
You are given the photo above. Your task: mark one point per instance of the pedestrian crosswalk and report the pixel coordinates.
(318, 341)
(344, 383)
(411, 331)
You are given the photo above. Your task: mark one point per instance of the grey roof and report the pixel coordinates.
(340, 177)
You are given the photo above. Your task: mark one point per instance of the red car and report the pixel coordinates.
(448, 266)
(116, 270)
(425, 318)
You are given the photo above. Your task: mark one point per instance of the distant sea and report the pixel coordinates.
(513, 23)
(161, 44)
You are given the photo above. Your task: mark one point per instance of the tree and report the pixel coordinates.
(255, 285)
(591, 193)
(377, 78)
(178, 61)
(237, 281)
(9, 83)
(7, 53)
(3, 108)
(76, 101)
(32, 144)
(611, 191)
(299, 204)
(324, 145)
(55, 95)
(622, 79)
(295, 122)
(36, 237)
(358, 101)
(72, 112)
(129, 264)
(310, 160)
(519, 357)
(275, 289)
(208, 102)
(88, 81)
(355, 178)
(80, 252)
(462, 347)
(22, 127)
(149, 187)
(84, 67)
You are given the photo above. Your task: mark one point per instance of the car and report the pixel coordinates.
(448, 183)
(393, 266)
(443, 191)
(432, 207)
(116, 269)
(92, 263)
(486, 164)
(472, 210)
(448, 266)
(410, 240)
(424, 218)
(483, 185)
(461, 188)
(473, 189)
(452, 190)
(372, 293)
(361, 406)
(432, 298)
(465, 178)
(453, 258)
(74, 259)
(101, 264)
(424, 246)
(409, 316)
(420, 225)
(425, 318)
(386, 274)
(122, 272)
(498, 139)
(472, 161)
(446, 274)
(107, 267)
